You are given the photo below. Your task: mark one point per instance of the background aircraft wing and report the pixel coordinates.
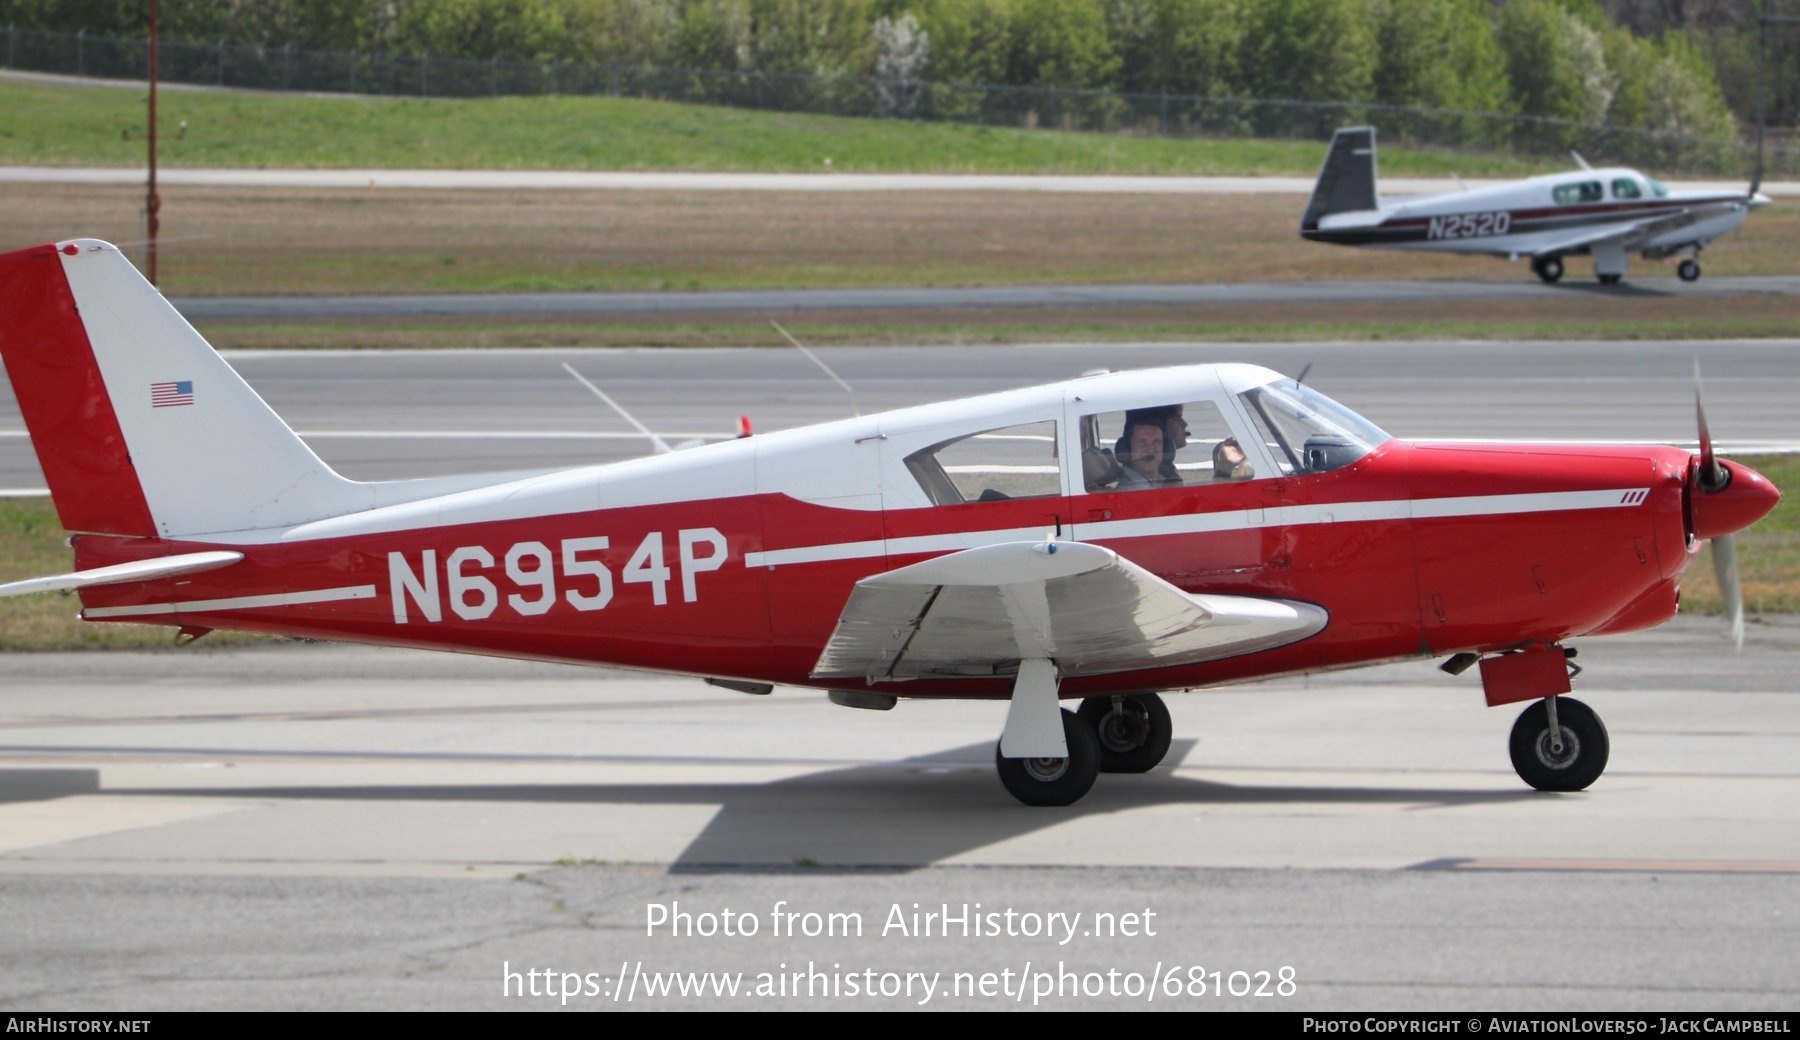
(980, 611)
(1593, 236)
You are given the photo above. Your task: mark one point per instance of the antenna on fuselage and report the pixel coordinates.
(1300, 379)
(1583, 163)
(661, 445)
(814, 358)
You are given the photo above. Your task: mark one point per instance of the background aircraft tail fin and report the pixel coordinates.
(140, 427)
(1347, 180)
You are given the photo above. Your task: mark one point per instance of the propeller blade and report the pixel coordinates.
(1731, 590)
(1712, 475)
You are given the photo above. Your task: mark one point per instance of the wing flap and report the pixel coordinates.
(980, 611)
(138, 570)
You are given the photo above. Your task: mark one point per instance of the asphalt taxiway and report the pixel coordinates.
(790, 303)
(328, 827)
(378, 415)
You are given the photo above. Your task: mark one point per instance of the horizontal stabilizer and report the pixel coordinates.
(118, 573)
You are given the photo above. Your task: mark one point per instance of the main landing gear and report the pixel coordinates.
(1559, 744)
(1688, 270)
(1134, 731)
(1054, 781)
(1549, 268)
(1128, 733)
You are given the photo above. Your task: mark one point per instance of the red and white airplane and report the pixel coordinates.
(1103, 538)
(1607, 213)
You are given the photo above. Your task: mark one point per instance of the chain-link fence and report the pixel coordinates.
(1161, 114)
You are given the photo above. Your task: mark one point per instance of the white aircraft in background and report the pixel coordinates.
(1604, 213)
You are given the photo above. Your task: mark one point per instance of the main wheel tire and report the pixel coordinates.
(1054, 781)
(1610, 279)
(1549, 268)
(1134, 738)
(1584, 751)
(1688, 270)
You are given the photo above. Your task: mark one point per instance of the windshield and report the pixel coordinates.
(1306, 431)
(1661, 190)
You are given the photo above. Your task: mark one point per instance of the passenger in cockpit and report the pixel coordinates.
(1229, 462)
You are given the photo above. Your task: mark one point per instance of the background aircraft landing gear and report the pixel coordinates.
(1134, 731)
(1609, 279)
(1054, 781)
(1689, 270)
(1568, 764)
(1549, 268)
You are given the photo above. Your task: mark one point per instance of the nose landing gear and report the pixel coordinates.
(1559, 744)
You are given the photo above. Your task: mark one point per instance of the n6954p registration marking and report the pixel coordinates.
(470, 577)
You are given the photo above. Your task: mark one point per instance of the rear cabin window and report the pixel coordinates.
(1586, 191)
(994, 465)
(1626, 188)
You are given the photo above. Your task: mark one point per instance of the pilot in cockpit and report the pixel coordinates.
(1141, 452)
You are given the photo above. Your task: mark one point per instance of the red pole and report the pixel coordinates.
(152, 203)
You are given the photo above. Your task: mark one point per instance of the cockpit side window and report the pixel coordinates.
(1010, 462)
(1585, 191)
(1177, 444)
(1658, 188)
(1626, 188)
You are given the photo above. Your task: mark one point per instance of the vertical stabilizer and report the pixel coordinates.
(140, 427)
(1347, 180)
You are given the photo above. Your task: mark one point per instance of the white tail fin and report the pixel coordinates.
(140, 426)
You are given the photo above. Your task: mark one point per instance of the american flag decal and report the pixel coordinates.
(172, 395)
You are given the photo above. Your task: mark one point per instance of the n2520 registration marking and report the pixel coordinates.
(1470, 225)
(529, 578)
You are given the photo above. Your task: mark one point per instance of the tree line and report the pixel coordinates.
(1676, 66)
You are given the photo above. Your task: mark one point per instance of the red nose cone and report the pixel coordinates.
(1746, 498)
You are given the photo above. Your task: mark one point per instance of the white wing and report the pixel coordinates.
(980, 611)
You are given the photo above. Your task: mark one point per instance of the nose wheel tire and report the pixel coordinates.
(1054, 781)
(1134, 734)
(1568, 764)
(1689, 270)
(1549, 268)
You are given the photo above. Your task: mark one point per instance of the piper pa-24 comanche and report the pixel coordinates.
(1605, 213)
(1102, 539)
